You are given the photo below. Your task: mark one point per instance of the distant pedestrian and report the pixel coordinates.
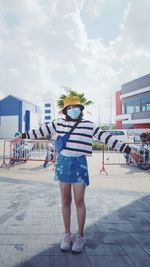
(49, 154)
(133, 135)
(71, 165)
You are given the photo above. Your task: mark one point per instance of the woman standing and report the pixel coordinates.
(71, 165)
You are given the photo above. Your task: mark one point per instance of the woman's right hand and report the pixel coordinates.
(18, 138)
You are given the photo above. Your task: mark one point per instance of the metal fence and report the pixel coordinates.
(27, 150)
(110, 157)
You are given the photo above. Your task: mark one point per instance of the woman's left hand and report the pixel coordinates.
(137, 156)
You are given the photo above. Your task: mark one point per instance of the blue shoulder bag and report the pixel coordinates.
(61, 141)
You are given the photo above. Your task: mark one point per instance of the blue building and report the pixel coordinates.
(17, 114)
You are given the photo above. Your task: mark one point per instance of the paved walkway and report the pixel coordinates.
(31, 227)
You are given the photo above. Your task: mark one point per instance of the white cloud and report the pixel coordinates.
(44, 44)
(131, 48)
(136, 24)
(94, 8)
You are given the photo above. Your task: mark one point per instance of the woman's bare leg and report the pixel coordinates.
(79, 190)
(66, 197)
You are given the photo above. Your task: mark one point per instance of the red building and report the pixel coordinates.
(133, 104)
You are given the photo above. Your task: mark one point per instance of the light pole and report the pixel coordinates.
(110, 110)
(99, 115)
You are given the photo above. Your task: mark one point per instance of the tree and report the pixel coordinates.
(83, 100)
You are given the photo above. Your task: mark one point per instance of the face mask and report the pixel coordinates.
(74, 113)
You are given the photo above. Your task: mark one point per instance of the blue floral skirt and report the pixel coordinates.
(72, 170)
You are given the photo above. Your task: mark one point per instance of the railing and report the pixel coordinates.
(27, 150)
(110, 157)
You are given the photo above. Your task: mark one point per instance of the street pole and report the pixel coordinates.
(110, 125)
(99, 116)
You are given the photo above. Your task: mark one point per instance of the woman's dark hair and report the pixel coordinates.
(69, 119)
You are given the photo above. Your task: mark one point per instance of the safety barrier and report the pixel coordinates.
(27, 150)
(6, 153)
(110, 157)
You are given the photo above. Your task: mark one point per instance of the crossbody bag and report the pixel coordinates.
(60, 142)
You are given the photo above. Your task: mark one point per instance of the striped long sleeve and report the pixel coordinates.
(43, 131)
(113, 143)
(80, 140)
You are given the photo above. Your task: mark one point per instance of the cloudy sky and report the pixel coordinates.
(92, 46)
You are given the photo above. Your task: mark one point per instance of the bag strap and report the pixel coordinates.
(73, 127)
(71, 130)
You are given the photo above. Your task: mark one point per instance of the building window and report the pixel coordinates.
(132, 107)
(47, 111)
(47, 117)
(47, 105)
(123, 109)
(145, 104)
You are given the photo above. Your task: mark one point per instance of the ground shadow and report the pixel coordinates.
(117, 232)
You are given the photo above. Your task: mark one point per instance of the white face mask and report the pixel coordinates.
(74, 112)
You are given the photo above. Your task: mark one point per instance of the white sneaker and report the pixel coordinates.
(78, 244)
(66, 242)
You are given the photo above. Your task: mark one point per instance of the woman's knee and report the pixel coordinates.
(66, 201)
(66, 195)
(79, 202)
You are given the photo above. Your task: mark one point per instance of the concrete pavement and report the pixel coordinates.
(117, 226)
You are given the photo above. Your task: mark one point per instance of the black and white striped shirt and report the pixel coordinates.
(80, 140)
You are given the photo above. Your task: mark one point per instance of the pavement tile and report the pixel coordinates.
(114, 250)
(141, 237)
(2, 251)
(94, 248)
(117, 228)
(138, 256)
(60, 228)
(3, 228)
(13, 255)
(117, 237)
(100, 226)
(110, 261)
(38, 215)
(92, 229)
(9, 239)
(55, 261)
(146, 206)
(53, 239)
(111, 227)
(51, 249)
(24, 229)
(78, 260)
(141, 227)
(146, 247)
(34, 246)
(41, 261)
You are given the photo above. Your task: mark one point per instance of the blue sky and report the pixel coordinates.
(92, 46)
(106, 24)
